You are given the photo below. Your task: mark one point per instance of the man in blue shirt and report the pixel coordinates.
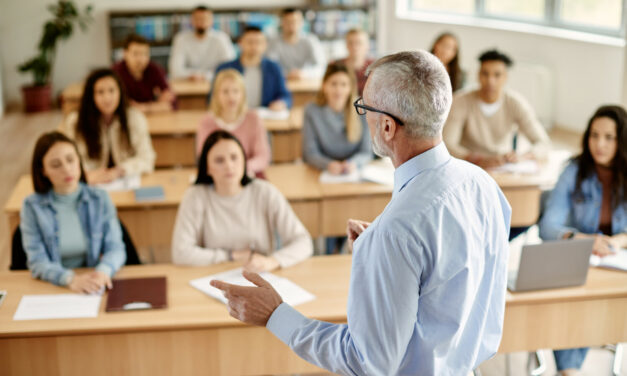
(428, 280)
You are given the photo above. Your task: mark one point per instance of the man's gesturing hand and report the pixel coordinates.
(252, 305)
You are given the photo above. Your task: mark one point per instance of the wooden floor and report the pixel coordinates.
(18, 133)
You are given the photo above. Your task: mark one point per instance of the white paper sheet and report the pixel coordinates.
(328, 178)
(290, 292)
(57, 306)
(126, 183)
(528, 167)
(615, 261)
(266, 113)
(381, 171)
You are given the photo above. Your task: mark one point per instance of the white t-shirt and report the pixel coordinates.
(253, 81)
(191, 55)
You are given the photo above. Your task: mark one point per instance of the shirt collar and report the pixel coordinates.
(431, 158)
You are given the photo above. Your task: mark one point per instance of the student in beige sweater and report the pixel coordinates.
(228, 216)
(482, 123)
(112, 137)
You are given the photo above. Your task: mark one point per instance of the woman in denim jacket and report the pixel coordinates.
(67, 224)
(590, 199)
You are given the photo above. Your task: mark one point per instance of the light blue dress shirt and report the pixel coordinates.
(428, 280)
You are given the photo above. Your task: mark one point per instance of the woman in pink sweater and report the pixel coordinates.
(228, 111)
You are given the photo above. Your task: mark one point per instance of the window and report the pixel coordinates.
(594, 16)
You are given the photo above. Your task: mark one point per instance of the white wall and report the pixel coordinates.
(586, 74)
(21, 24)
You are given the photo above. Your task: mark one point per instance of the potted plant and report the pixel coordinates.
(65, 16)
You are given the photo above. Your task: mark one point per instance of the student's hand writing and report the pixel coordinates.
(295, 74)
(99, 176)
(511, 157)
(242, 256)
(602, 245)
(259, 263)
(354, 228)
(102, 279)
(348, 167)
(252, 305)
(335, 167)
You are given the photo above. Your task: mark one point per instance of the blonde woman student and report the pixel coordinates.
(335, 138)
(228, 216)
(112, 138)
(228, 111)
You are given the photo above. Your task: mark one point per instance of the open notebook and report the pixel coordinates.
(615, 261)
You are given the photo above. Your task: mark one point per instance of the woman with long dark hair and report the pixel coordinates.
(227, 216)
(112, 138)
(590, 199)
(66, 224)
(446, 48)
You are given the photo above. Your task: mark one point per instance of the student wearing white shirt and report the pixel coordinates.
(196, 53)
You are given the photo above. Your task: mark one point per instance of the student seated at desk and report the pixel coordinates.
(335, 138)
(264, 82)
(67, 224)
(227, 216)
(299, 54)
(358, 46)
(112, 138)
(482, 123)
(446, 48)
(228, 111)
(196, 53)
(145, 82)
(590, 199)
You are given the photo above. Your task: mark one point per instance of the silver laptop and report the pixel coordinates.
(552, 264)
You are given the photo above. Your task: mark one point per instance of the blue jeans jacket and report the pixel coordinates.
(40, 235)
(566, 212)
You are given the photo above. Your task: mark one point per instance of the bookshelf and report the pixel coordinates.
(328, 19)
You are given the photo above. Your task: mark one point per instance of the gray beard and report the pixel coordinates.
(376, 143)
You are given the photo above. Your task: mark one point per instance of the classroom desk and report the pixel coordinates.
(323, 208)
(195, 335)
(173, 136)
(304, 91)
(191, 95)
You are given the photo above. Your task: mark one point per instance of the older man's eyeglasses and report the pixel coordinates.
(361, 109)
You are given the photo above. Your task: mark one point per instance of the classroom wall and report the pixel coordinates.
(586, 75)
(21, 24)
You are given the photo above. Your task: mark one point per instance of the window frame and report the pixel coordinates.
(551, 17)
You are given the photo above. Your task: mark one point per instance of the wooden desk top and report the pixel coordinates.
(296, 181)
(307, 85)
(174, 183)
(325, 277)
(190, 88)
(185, 122)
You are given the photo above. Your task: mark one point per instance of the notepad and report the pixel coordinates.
(126, 183)
(268, 114)
(152, 193)
(615, 261)
(526, 167)
(137, 293)
(57, 306)
(328, 178)
(290, 292)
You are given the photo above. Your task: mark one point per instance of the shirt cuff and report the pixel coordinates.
(284, 321)
(106, 269)
(67, 277)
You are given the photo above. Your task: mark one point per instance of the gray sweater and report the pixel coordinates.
(324, 138)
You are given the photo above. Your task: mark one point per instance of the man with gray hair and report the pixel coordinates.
(428, 280)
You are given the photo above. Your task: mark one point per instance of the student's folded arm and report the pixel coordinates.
(531, 128)
(296, 242)
(113, 248)
(261, 154)
(187, 235)
(382, 306)
(555, 217)
(454, 129)
(311, 150)
(38, 261)
(144, 159)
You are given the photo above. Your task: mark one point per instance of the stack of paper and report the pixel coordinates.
(327, 178)
(528, 167)
(57, 306)
(290, 292)
(615, 261)
(268, 114)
